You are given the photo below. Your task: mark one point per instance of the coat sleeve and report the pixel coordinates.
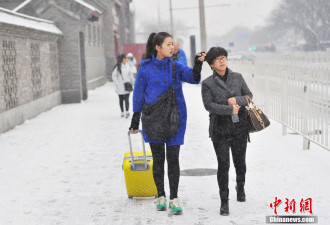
(185, 74)
(114, 76)
(210, 104)
(241, 100)
(139, 90)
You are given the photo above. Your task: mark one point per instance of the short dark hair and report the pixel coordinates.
(214, 53)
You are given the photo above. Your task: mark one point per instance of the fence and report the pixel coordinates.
(320, 58)
(298, 96)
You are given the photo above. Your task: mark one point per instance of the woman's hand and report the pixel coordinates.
(132, 131)
(135, 122)
(201, 56)
(232, 101)
(236, 109)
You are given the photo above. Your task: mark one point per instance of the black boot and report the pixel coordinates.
(224, 208)
(240, 193)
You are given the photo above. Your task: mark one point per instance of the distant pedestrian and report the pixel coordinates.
(179, 54)
(154, 78)
(122, 74)
(132, 63)
(224, 97)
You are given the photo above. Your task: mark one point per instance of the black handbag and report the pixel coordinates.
(257, 119)
(160, 120)
(128, 86)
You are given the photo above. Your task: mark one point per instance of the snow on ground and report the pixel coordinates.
(64, 168)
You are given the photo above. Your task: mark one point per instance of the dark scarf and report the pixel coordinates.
(224, 77)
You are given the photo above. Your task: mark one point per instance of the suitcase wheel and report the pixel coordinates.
(130, 197)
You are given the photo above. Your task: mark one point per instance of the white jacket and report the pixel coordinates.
(132, 65)
(119, 79)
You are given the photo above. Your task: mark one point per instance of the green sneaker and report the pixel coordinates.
(161, 204)
(175, 206)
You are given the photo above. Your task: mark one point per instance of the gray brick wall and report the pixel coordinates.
(22, 39)
(109, 43)
(95, 54)
(27, 56)
(69, 58)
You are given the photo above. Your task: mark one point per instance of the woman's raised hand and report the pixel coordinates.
(201, 56)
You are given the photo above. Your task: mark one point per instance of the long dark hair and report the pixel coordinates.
(153, 40)
(119, 62)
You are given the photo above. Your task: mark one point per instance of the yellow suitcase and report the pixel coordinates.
(138, 172)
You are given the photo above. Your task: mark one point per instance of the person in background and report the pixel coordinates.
(179, 54)
(223, 96)
(122, 73)
(132, 63)
(153, 79)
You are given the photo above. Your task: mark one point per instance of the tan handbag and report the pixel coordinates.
(257, 119)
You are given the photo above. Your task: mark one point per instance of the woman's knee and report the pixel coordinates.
(223, 166)
(172, 154)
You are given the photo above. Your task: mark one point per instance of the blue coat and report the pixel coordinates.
(182, 57)
(153, 79)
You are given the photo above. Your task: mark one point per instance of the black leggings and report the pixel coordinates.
(238, 150)
(123, 98)
(172, 156)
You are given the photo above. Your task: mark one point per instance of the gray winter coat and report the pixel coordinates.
(216, 92)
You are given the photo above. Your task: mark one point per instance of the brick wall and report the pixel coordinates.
(28, 66)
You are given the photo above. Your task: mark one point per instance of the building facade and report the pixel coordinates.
(29, 74)
(92, 33)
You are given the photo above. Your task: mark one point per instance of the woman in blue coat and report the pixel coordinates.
(153, 79)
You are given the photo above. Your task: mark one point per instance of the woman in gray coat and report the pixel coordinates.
(121, 74)
(224, 97)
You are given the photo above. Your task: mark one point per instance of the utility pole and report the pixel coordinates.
(158, 14)
(202, 25)
(171, 14)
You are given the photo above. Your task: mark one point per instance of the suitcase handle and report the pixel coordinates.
(131, 150)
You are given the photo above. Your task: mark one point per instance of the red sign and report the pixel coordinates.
(305, 205)
(136, 49)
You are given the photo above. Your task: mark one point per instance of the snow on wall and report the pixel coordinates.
(18, 19)
(88, 6)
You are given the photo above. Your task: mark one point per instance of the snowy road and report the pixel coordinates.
(64, 168)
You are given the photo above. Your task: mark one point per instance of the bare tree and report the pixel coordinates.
(311, 17)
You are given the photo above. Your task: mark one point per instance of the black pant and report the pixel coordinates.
(238, 150)
(172, 156)
(122, 99)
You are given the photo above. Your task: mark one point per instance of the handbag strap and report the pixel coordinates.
(249, 100)
(173, 71)
(120, 74)
(173, 79)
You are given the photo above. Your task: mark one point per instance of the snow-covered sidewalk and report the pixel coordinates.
(65, 167)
